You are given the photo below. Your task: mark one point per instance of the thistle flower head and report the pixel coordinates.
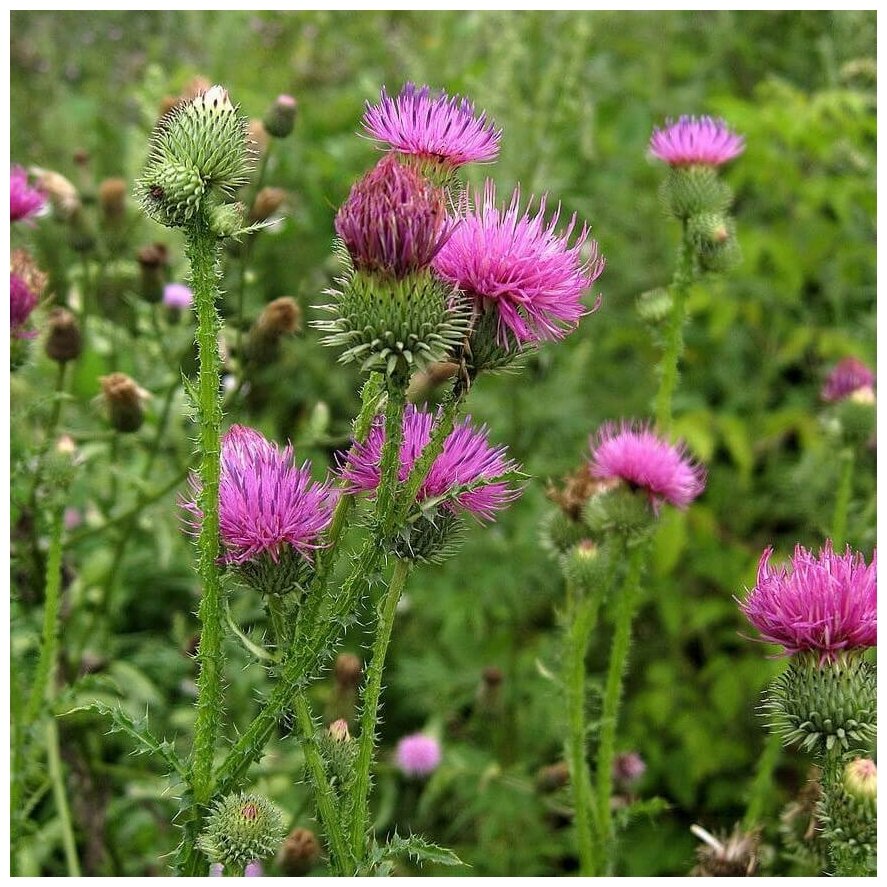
(177, 295)
(628, 768)
(267, 506)
(467, 460)
(848, 377)
(240, 831)
(24, 201)
(433, 127)
(26, 284)
(823, 603)
(394, 221)
(633, 453)
(696, 141)
(418, 754)
(518, 266)
(861, 778)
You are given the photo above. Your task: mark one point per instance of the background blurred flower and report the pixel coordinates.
(418, 754)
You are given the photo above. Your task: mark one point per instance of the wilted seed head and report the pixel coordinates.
(268, 201)
(394, 221)
(281, 116)
(63, 341)
(300, 853)
(153, 261)
(62, 194)
(348, 670)
(112, 200)
(281, 317)
(240, 829)
(575, 490)
(735, 855)
(124, 402)
(198, 148)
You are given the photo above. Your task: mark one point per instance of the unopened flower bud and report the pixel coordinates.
(861, 778)
(241, 829)
(300, 853)
(123, 401)
(552, 777)
(63, 341)
(279, 318)
(348, 670)
(61, 192)
(339, 731)
(267, 202)
(654, 306)
(281, 117)
(153, 261)
(688, 191)
(226, 219)
(112, 200)
(583, 565)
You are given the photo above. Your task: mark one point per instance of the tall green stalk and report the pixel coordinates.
(626, 607)
(370, 712)
(842, 498)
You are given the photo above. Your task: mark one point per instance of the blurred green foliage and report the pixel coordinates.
(577, 94)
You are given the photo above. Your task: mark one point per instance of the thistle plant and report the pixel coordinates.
(822, 611)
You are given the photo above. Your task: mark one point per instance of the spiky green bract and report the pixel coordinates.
(654, 306)
(620, 510)
(394, 325)
(431, 537)
(558, 532)
(241, 828)
(584, 567)
(821, 708)
(690, 190)
(488, 348)
(291, 572)
(198, 156)
(339, 752)
(849, 819)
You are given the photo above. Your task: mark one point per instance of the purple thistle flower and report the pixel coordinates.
(466, 458)
(24, 201)
(628, 768)
(825, 603)
(177, 295)
(253, 870)
(517, 265)
(418, 754)
(394, 221)
(635, 454)
(433, 127)
(266, 504)
(703, 141)
(22, 301)
(848, 377)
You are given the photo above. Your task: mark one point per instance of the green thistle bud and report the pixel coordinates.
(690, 190)
(394, 325)
(855, 417)
(198, 150)
(226, 219)
(290, 572)
(281, 117)
(558, 532)
(848, 812)
(720, 257)
(583, 565)
(861, 780)
(824, 707)
(620, 510)
(242, 828)
(63, 340)
(124, 401)
(483, 351)
(708, 230)
(339, 752)
(654, 306)
(430, 537)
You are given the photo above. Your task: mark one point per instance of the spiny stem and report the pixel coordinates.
(674, 334)
(56, 774)
(370, 712)
(390, 459)
(842, 498)
(203, 253)
(626, 606)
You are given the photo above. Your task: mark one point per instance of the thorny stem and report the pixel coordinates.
(370, 712)
(626, 606)
(56, 774)
(842, 498)
(674, 334)
(389, 469)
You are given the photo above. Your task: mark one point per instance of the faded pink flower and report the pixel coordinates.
(635, 454)
(825, 604)
(517, 265)
(432, 127)
(696, 141)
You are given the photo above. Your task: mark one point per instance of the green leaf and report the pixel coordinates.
(420, 850)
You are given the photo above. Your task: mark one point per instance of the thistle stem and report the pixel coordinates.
(842, 498)
(626, 607)
(674, 334)
(56, 774)
(370, 712)
(761, 792)
(390, 459)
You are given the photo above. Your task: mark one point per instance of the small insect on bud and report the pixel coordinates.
(300, 853)
(348, 670)
(112, 200)
(123, 400)
(63, 341)
(267, 202)
(153, 261)
(281, 116)
(339, 731)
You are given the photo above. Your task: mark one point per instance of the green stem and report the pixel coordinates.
(761, 793)
(626, 606)
(390, 459)
(674, 334)
(56, 774)
(842, 498)
(370, 712)
(341, 859)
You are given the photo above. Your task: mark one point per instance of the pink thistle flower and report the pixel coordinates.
(22, 301)
(517, 265)
(177, 295)
(848, 377)
(825, 604)
(418, 755)
(692, 141)
(24, 201)
(635, 454)
(394, 221)
(466, 459)
(266, 503)
(628, 768)
(433, 127)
